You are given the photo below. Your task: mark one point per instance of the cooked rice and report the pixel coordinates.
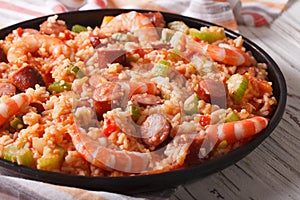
(46, 132)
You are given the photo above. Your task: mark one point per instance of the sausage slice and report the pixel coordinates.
(155, 129)
(106, 96)
(27, 77)
(2, 55)
(108, 56)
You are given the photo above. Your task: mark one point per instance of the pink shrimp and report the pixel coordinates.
(134, 22)
(235, 131)
(13, 105)
(143, 87)
(222, 53)
(106, 158)
(230, 133)
(19, 50)
(227, 55)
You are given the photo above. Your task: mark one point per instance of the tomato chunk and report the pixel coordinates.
(204, 120)
(109, 127)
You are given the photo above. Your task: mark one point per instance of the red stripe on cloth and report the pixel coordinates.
(59, 9)
(100, 3)
(13, 7)
(259, 20)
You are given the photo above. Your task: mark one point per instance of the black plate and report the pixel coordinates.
(135, 184)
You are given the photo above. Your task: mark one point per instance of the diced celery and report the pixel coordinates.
(135, 112)
(122, 37)
(18, 153)
(51, 160)
(222, 144)
(178, 26)
(78, 28)
(59, 86)
(232, 117)
(162, 68)
(190, 105)
(207, 36)
(164, 62)
(73, 69)
(178, 41)
(237, 85)
(166, 35)
(16, 123)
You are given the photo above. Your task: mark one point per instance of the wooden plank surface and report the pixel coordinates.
(272, 171)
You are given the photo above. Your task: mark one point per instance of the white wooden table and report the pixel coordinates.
(272, 171)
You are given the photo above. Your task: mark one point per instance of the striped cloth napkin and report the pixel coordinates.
(228, 13)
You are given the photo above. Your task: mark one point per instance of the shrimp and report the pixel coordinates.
(235, 131)
(227, 55)
(19, 50)
(229, 133)
(135, 22)
(13, 105)
(106, 158)
(143, 87)
(222, 53)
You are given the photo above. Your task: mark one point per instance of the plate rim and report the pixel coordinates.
(233, 156)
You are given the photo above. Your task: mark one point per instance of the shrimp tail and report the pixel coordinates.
(221, 53)
(229, 133)
(18, 51)
(106, 158)
(228, 55)
(13, 106)
(135, 22)
(235, 131)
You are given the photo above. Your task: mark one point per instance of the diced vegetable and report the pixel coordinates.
(178, 26)
(166, 35)
(135, 112)
(223, 144)
(165, 95)
(51, 159)
(164, 62)
(162, 68)
(203, 65)
(190, 105)
(73, 69)
(204, 120)
(17, 123)
(175, 55)
(237, 85)
(78, 28)
(105, 20)
(132, 58)
(18, 153)
(207, 36)
(59, 86)
(178, 41)
(232, 117)
(122, 37)
(109, 126)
